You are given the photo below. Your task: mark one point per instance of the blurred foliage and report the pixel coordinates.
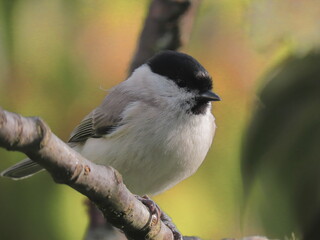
(281, 152)
(58, 58)
(290, 23)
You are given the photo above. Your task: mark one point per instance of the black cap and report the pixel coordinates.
(181, 68)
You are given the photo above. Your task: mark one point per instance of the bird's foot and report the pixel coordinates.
(159, 214)
(151, 205)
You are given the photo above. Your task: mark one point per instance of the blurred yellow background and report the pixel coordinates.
(58, 58)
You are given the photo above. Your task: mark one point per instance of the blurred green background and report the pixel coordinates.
(58, 58)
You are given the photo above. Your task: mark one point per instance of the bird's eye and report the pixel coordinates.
(181, 83)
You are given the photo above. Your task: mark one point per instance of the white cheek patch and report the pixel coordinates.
(161, 92)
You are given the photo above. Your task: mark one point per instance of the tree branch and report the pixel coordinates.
(102, 185)
(167, 27)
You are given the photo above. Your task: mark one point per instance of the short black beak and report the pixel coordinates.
(210, 96)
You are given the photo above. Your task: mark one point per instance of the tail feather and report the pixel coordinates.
(21, 170)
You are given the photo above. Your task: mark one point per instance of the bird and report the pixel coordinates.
(155, 128)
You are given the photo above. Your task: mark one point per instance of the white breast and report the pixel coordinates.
(152, 159)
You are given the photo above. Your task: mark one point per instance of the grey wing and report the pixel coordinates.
(92, 126)
(104, 119)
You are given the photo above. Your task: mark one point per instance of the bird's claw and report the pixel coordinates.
(155, 210)
(151, 205)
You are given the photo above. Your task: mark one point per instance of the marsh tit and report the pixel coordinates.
(155, 128)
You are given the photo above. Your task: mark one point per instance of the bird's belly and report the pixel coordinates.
(153, 162)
